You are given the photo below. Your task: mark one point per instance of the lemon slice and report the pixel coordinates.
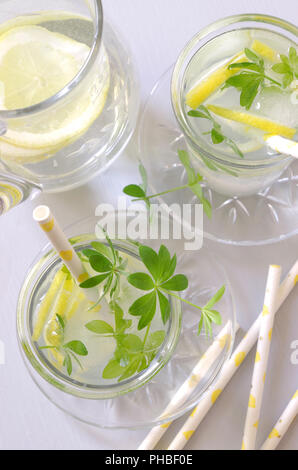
(52, 333)
(47, 303)
(266, 125)
(209, 84)
(17, 154)
(34, 65)
(264, 50)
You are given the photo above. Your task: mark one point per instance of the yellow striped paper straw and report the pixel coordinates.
(43, 216)
(187, 388)
(282, 424)
(231, 367)
(282, 145)
(261, 361)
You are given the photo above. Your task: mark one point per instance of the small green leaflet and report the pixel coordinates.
(288, 67)
(194, 180)
(209, 315)
(77, 347)
(217, 136)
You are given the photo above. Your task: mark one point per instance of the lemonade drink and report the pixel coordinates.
(63, 315)
(228, 140)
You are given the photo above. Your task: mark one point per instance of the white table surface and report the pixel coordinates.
(155, 30)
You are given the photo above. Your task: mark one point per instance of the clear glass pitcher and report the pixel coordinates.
(68, 99)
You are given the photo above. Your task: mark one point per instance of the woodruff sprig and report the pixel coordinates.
(69, 350)
(288, 67)
(160, 283)
(139, 192)
(216, 133)
(132, 354)
(250, 79)
(106, 261)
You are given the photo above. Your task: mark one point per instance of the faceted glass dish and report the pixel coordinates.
(267, 217)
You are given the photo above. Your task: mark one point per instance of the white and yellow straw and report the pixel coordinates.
(261, 360)
(231, 367)
(43, 216)
(282, 424)
(282, 145)
(199, 371)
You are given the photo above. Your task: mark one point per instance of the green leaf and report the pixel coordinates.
(284, 59)
(249, 93)
(93, 281)
(200, 325)
(145, 308)
(196, 113)
(141, 281)
(216, 298)
(287, 79)
(281, 68)
(165, 307)
(143, 364)
(120, 324)
(164, 259)
(60, 321)
(99, 327)
(240, 81)
(170, 269)
(68, 364)
(103, 249)
(134, 190)
(150, 260)
(214, 316)
(198, 191)
(184, 158)
(87, 252)
(144, 177)
(100, 263)
(77, 347)
(216, 136)
(132, 368)
(292, 54)
(112, 370)
(251, 55)
(142, 304)
(155, 340)
(235, 148)
(178, 282)
(246, 66)
(133, 343)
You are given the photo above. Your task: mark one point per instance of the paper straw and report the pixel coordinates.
(43, 216)
(261, 361)
(189, 385)
(282, 424)
(282, 145)
(230, 368)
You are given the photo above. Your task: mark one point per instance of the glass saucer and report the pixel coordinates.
(143, 406)
(267, 217)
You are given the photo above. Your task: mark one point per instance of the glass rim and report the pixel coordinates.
(192, 47)
(46, 258)
(77, 79)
